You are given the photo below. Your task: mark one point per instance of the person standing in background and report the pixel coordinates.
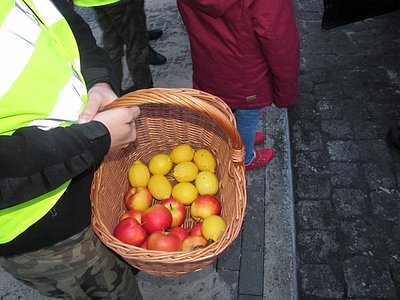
(123, 23)
(54, 83)
(246, 53)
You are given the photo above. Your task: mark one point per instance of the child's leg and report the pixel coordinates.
(247, 122)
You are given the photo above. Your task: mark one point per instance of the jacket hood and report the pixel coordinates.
(213, 8)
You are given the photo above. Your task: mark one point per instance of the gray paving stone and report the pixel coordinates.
(329, 110)
(383, 95)
(337, 129)
(397, 170)
(316, 60)
(385, 204)
(374, 150)
(317, 44)
(318, 76)
(308, 26)
(394, 266)
(372, 237)
(380, 74)
(328, 90)
(311, 112)
(250, 297)
(345, 174)
(355, 237)
(206, 283)
(312, 163)
(312, 186)
(343, 151)
(232, 279)
(315, 215)
(349, 203)
(350, 84)
(345, 46)
(365, 129)
(253, 230)
(307, 136)
(307, 86)
(320, 281)
(230, 259)
(378, 177)
(369, 112)
(343, 50)
(366, 277)
(317, 246)
(310, 6)
(253, 224)
(251, 273)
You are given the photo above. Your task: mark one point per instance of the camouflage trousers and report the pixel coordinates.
(80, 267)
(124, 25)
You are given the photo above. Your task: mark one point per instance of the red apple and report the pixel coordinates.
(193, 242)
(130, 232)
(156, 218)
(164, 241)
(181, 232)
(132, 214)
(204, 206)
(144, 244)
(177, 210)
(196, 230)
(138, 198)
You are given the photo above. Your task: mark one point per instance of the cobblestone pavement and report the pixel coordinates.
(346, 178)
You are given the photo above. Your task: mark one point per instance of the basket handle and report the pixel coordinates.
(204, 103)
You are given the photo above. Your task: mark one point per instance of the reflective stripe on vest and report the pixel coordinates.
(92, 3)
(41, 85)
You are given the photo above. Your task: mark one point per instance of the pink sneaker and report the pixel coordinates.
(263, 156)
(260, 137)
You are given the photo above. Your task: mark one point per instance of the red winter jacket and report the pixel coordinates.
(244, 51)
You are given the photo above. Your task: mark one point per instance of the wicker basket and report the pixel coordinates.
(170, 117)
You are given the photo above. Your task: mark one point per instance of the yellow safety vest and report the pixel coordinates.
(41, 85)
(92, 3)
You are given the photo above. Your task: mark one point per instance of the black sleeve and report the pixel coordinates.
(96, 66)
(34, 161)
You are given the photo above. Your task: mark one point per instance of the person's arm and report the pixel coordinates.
(96, 66)
(275, 25)
(34, 161)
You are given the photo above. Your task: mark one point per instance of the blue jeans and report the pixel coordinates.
(247, 122)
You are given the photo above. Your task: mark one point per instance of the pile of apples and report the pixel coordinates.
(159, 225)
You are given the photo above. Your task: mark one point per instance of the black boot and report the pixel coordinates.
(156, 58)
(154, 34)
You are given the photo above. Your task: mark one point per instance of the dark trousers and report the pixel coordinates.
(124, 26)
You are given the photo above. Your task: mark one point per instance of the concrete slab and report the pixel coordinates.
(279, 247)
